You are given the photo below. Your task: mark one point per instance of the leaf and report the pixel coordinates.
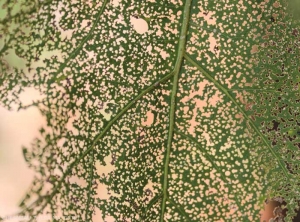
(187, 120)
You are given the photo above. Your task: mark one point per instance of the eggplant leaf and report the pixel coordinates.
(156, 110)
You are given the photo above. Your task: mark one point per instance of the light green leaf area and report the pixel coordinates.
(195, 118)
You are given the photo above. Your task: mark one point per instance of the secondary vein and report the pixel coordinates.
(100, 135)
(87, 37)
(225, 91)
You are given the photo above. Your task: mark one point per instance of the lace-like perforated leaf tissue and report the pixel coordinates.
(165, 110)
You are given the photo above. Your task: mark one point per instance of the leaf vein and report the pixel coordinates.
(253, 126)
(178, 64)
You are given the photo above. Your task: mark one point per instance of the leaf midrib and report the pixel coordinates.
(178, 65)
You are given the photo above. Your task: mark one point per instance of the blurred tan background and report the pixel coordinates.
(16, 129)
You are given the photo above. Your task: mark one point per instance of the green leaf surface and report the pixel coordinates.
(195, 118)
